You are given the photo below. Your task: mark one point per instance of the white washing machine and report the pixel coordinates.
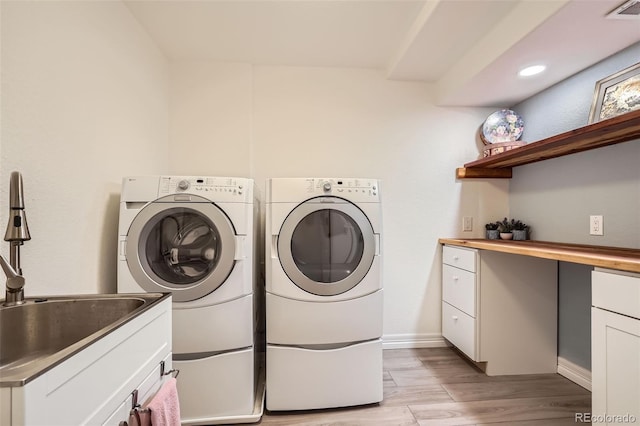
(323, 293)
(195, 237)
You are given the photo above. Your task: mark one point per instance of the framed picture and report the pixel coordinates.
(617, 94)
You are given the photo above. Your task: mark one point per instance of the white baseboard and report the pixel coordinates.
(408, 341)
(575, 373)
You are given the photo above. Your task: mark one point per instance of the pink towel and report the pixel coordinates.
(164, 406)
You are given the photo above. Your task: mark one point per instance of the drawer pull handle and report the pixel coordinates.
(454, 317)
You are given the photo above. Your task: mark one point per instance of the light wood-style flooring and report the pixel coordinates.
(439, 387)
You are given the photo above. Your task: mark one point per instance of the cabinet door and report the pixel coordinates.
(146, 389)
(615, 367)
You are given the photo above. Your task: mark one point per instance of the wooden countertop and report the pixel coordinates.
(624, 259)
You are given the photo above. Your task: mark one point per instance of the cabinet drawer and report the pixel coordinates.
(459, 257)
(459, 289)
(616, 292)
(460, 329)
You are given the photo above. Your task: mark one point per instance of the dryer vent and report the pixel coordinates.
(627, 10)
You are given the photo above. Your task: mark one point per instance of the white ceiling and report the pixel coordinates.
(470, 50)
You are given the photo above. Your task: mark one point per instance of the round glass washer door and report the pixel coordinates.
(326, 246)
(186, 248)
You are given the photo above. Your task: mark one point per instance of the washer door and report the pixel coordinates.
(326, 246)
(186, 248)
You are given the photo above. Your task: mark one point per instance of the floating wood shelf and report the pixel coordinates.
(622, 128)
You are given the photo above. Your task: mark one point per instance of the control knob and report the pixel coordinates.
(327, 186)
(183, 185)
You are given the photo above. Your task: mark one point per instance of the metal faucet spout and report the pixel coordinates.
(17, 233)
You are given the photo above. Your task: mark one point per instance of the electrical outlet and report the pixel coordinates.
(467, 224)
(596, 225)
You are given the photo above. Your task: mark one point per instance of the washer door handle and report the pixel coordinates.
(274, 246)
(240, 251)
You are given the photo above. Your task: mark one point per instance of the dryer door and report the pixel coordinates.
(326, 246)
(186, 248)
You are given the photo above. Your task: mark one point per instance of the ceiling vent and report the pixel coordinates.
(627, 10)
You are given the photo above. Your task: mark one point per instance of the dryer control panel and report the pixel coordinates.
(356, 190)
(343, 187)
(215, 188)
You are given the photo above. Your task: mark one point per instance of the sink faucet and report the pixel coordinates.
(17, 233)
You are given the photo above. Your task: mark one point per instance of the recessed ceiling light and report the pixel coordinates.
(532, 70)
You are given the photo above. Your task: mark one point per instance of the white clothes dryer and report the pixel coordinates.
(323, 293)
(195, 237)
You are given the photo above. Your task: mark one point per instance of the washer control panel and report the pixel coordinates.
(208, 187)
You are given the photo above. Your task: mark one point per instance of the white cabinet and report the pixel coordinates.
(459, 300)
(93, 386)
(615, 347)
(500, 309)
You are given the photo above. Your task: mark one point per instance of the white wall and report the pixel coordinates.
(557, 196)
(210, 119)
(84, 102)
(266, 122)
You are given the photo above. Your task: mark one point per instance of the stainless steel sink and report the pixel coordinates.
(43, 332)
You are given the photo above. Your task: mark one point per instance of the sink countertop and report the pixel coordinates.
(624, 259)
(29, 369)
